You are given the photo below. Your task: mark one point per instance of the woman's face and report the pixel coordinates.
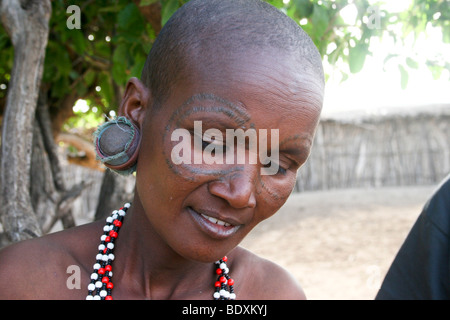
(203, 208)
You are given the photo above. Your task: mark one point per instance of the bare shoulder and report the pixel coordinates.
(39, 268)
(264, 280)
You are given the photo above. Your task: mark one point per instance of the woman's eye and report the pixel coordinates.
(281, 170)
(205, 144)
(216, 144)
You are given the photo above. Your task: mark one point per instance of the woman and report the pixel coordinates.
(218, 67)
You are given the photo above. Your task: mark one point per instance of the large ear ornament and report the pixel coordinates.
(117, 145)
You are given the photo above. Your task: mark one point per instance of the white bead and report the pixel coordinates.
(103, 237)
(222, 265)
(91, 287)
(89, 297)
(101, 247)
(97, 297)
(122, 213)
(111, 227)
(103, 293)
(109, 219)
(98, 284)
(98, 256)
(223, 292)
(110, 274)
(97, 266)
(111, 256)
(94, 276)
(105, 228)
(226, 270)
(127, 205)
(105, 257)
(115, 216)
(232, 296)
(216, 295)
(110, 245)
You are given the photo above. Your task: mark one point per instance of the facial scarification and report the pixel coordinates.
(207, 103)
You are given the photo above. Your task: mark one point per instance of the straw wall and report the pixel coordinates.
(393, 150)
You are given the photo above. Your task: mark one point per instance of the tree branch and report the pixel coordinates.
(27, 24)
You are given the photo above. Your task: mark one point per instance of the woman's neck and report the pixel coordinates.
(146, 266)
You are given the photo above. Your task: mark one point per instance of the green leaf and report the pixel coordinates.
(320, 21)
(138, 66)
(89, 77)
(389, 57)
(276, 3)
(436, 70)
(130, 19)
(412, 63)
(120, 64)
(168, 9)
(404, 77)
(357, 57)
(446, 34)
(304, 8)
(106, 91)
(144, 3)
(77, 40)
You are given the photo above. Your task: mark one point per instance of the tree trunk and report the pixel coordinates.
(27, 24)
(50, 197)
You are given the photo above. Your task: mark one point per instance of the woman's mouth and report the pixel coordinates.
(216, 221)
(213, 227)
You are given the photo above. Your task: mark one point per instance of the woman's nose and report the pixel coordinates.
(237, 188)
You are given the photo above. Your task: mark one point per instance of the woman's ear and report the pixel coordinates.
(135, 102)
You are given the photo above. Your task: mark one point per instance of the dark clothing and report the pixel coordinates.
(421, 268)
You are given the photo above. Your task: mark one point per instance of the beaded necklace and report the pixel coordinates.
(101, 286)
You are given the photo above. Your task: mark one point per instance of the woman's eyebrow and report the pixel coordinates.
(220, 105)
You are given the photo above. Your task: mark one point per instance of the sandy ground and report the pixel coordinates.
(339, 244)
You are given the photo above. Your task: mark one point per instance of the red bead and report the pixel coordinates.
(225, 259)
(108, 298)
(101, 271)
(104, 250)
(109, 285)
(223, 279)
(217, 284)
(108, 268)
(105, 280)
(219, 271)
(230, 282)
(108, 239)
(117, 223)
(113, 234)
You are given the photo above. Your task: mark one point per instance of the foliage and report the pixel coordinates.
(94, 62)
